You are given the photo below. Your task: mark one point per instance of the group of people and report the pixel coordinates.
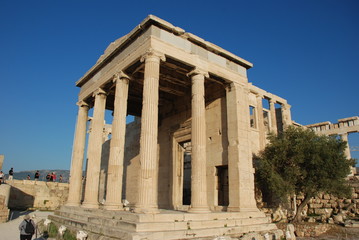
(50, 177)
(2, 175)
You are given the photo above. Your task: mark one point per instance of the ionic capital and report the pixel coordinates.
(98, 92)
(237, 86)
(286, 106)
(272, 101)
(82, 104)
(152, 53)
(120, 76)
(259, 96)
(198, 71)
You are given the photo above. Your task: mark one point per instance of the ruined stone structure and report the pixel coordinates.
(40, 195)
(4, 202)
(185, 162)
(342, 128)
(1, 160)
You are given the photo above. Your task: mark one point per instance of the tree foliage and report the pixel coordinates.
(298, 161)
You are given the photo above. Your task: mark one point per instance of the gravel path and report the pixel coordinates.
(10, 229)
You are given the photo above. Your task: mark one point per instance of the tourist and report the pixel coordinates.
(2, 176)
(28, 177)
(60, 178)
(11, 174)
(26, 232)
(37, 175)
(48, 177)
(53, 176)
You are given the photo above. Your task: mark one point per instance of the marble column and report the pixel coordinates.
(261, 127)
(344, 137)
(148, 172)
(286, 115)
(273, 115)
(240, 167)
(117, 145)
(78, 152)
(94, 151)
(198, 161)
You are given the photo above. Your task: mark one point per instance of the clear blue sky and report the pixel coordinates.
(304, 51)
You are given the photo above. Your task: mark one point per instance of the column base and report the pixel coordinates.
(72, 204)
(199, 210)
(140, 209)
(89, 205)
(114, 206)
(241, 209)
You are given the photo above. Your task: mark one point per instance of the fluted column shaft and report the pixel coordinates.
(198, 161)
(78, 152)
(117, 145)
(273, 115)
(240, 168)
(94, 151)
(344, 137)
(147, 185)
(286, 116)
(261, 127)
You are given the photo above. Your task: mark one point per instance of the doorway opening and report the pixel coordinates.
(187, 171)
(223, 186)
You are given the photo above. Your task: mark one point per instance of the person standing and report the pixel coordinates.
(11, 174)
(2, 176)
(53, 176)
(37, 175)
(27, 228)
(48, 177)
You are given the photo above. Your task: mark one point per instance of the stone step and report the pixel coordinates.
(156, 231)
(164, 221)
(163, 216)
(92, 229)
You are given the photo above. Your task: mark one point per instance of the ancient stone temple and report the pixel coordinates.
(185, 163)
(343, 128)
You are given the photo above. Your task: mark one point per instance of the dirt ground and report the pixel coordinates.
(337, 233)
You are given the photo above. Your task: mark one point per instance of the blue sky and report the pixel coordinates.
(304, 51)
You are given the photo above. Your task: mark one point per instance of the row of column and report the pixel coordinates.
(147, 186)
(286, 118)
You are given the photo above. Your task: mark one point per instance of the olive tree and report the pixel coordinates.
(299, 161)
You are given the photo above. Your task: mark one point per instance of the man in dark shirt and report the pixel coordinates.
(11, 174)
(37, 175)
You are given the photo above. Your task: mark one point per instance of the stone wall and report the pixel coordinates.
(4, 199)
(324, 208)
(37, 194)
(4, 211)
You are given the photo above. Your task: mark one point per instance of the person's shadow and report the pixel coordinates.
(44, 236)
(16, 214)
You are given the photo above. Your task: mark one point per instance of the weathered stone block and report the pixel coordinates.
(323, 211)
(316, 205)
(326, 196)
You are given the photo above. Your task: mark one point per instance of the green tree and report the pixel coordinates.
(298, 161)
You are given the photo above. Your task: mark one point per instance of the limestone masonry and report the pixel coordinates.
(185, 163)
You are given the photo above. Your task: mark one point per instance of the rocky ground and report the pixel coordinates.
(337, 233)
